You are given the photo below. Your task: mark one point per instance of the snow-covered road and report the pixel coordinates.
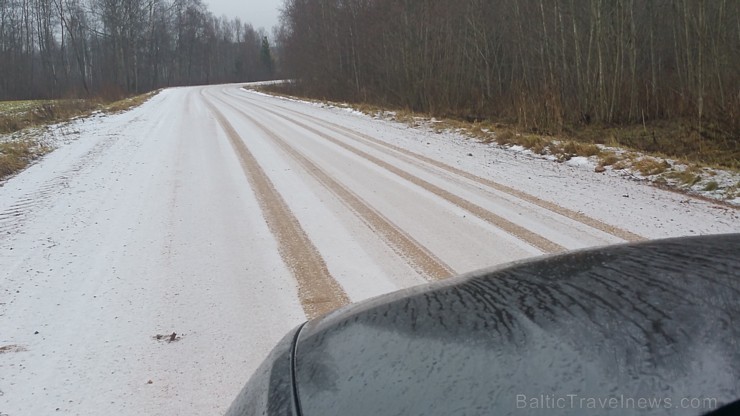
(229, 217)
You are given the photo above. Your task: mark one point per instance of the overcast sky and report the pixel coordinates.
(260, 13)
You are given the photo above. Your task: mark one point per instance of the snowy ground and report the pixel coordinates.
(228, 217)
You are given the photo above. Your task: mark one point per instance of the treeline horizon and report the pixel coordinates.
(543, 64)
(114, 48)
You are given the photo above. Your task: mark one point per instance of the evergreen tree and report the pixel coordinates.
(266, 59)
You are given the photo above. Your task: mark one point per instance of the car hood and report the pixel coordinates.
(649, 327)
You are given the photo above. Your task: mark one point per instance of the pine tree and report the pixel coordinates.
(266, 59)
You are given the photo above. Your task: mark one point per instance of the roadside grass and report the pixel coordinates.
(16, 155)
(648, 166)
(711, 186)
(715, 154)
(127, 103)
(675, 139)
(687, 177)
(18, 116)
(609, 159)
(733, 191)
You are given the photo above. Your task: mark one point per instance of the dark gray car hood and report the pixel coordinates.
(649, 328)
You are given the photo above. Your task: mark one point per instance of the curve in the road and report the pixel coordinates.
(319, 292)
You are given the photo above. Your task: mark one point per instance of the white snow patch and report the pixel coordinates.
(581, 162)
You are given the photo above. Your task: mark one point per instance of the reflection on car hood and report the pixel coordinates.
(649, 328)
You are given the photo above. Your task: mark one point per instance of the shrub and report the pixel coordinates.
(711, 186)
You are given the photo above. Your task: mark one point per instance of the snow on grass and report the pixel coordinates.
(581, 162)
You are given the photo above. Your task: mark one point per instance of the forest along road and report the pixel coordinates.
(226, 217)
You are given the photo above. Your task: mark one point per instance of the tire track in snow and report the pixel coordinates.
(33, 204)
(516, 230)
(389, 148)
(318, 291)
(418, 257)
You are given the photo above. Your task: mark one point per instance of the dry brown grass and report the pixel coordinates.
(675, 139)
(16, 155)
(406, 117)
(685, 177)
(648, 166)
(540, 147)
(571, 149)
(733, 191)
(369, 109)
(711, 186)
(532, 142)
(609, 159)
(620, 165)
(128, 103)
(504, 137)
(17, 115)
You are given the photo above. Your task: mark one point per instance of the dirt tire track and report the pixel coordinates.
(403, 244)
(318, 291)
(550, 206)
(517, 231)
